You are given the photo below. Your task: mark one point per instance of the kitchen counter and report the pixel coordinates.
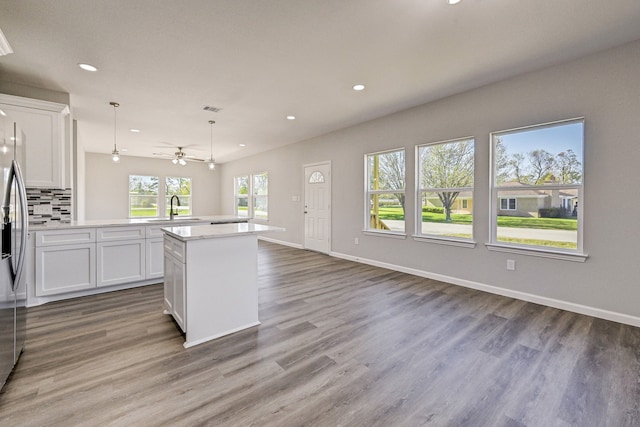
(191, 232)
(217, 219)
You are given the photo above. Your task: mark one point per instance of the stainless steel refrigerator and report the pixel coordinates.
(14, 224)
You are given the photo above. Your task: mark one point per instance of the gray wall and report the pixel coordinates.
(604, 88)
(107, 183)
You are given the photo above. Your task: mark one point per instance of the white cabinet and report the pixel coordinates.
(154, 252)
(174, 281)
(120, 255)
(46, 138)
(65, 261)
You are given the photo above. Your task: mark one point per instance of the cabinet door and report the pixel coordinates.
(120, 262)
(174, 290)
(169, 267)
(43, 126)
(179, 297)
(67, 268)
(155, 258)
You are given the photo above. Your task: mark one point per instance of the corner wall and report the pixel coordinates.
(602, 88)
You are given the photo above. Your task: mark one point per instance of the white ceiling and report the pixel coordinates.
(261, 60)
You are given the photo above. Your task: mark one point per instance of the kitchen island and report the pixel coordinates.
(211, 278)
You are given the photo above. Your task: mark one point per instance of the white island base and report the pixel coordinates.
(211, 278)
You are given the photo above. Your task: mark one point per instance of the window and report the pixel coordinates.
(181, 187)
(242, 195)
(508, 204)
(260, 196)
(537, 187)
(143, 196)
(385, 198)
(252, 196)
(445, 189)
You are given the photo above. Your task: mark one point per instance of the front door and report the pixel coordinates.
(317, 207)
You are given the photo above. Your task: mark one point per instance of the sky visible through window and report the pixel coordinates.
(554, 139)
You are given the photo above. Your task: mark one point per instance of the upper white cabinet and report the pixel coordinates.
(46, 139)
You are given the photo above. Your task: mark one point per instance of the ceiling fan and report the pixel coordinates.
(179, 157)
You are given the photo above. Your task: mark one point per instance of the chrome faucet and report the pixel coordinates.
(171, 212)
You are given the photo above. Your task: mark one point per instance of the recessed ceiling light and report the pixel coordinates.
(453, 1)
(291, 117)
(242, 145)
(134, 130)
(87, 67)
(358, 87)
(2, 113)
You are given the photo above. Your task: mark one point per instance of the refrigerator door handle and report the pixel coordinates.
(24, 219)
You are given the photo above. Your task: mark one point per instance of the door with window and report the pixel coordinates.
(317, 207)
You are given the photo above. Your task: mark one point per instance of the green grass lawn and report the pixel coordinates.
(396, 213)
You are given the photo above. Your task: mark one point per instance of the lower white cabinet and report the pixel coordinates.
(65, 268)
(174, 286)
(154, 253)
(120, 262)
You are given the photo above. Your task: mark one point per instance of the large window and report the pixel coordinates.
(261, 196)
(143, 196)
(537, 187)
(445, 189)
(241, 186)
(252, 196)
(385, 198)
(181, 187)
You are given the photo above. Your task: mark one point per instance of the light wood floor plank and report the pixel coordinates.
(340, 343)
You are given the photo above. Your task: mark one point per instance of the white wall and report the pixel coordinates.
(107, 184)
(604, 88)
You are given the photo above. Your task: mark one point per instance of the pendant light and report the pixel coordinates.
(115, 155)
(211, 162)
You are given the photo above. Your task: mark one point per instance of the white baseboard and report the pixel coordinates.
(281, 242)
(550, 302)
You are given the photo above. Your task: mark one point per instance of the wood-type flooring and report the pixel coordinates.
(340, 344)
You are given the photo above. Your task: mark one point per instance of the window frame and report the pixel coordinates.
(167, 196)
(370, 192)
(158, 196)
(578, 254)
(251, 197)
(420, 191)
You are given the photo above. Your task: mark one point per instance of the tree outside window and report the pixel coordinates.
(445, 171)
(386, 191)
(537, 186)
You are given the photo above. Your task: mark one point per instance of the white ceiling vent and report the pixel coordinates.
(212, 109)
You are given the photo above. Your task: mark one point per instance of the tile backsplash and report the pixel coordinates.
(48, 205)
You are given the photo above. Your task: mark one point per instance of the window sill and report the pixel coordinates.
(445, 241)
(389, 234)
(544, 253)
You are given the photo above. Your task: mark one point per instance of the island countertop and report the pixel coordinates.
(192, 232)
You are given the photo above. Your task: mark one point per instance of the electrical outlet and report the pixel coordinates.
(42, 210)
(356, 241)
(511, 264)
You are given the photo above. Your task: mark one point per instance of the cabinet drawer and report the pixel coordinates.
(175, 248)
(111, 234)
(71, 236)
